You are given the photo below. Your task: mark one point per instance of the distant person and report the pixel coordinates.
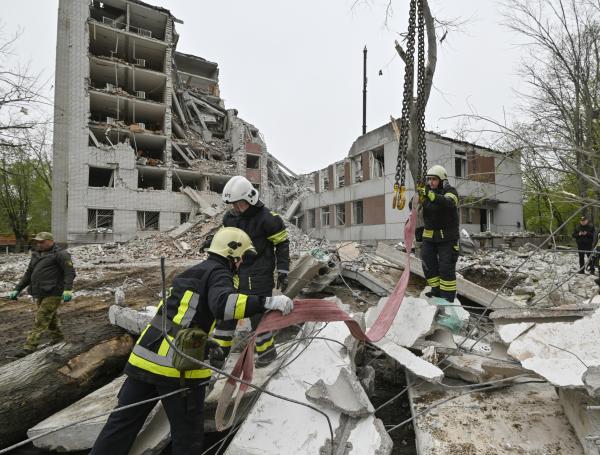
(584, 237)
(50, 276)
(439, 251)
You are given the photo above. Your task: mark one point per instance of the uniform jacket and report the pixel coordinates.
(586, 240)
(49, 273)
(199, 296)
(270, 238)
(441, 215)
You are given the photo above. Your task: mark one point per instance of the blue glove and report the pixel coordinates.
(67, 296)
(13, 295)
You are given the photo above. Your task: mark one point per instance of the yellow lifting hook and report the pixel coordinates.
(399, 200)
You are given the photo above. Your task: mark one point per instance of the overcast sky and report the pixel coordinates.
(294, 69)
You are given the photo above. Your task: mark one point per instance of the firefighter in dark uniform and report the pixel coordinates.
(439, 251)
(199, 296)
(584, 238)
(256, 275)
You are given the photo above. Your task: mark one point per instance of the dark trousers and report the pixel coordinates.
(439, 266)
(185, 414)
(582, 260)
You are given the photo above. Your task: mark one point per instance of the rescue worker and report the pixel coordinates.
(198, 296)
(584, 238)
(255, 276)
(439, 251)
(50, 277)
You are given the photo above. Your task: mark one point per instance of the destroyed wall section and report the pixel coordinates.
(498, 204)
(134, 122)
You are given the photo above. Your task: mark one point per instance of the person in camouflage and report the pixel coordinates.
(50, 277)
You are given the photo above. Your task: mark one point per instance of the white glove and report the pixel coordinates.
(280, 302)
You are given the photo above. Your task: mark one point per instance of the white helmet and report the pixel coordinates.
(239, 188)
(437, 171)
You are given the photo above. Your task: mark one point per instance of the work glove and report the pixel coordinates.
(13, 295)
(425, 192)
(282, 281)
(281, 303)
(67, 296)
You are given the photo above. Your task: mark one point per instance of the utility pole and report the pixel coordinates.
(364, 125)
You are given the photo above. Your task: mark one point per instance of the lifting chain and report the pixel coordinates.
(399, 199)
(399, 185)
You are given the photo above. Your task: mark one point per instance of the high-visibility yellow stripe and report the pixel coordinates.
(223, 343)
(279, 237)
(428, 233)
(236, 281)
(164, 347)
(265, 346)
(240, 306)
(183, 306)
(144, 364)
(448, 285)
(433, 281)
(453, 197)
(142, 334)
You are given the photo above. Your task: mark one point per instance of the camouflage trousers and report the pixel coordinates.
(46, 319)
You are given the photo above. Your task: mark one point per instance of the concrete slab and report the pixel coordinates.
(366, 279)
(465, 287)
(561, 352)
(510, 332)
(525, 419)
(346, 395)
(411, 362)
(585, 422)
(133, 321)
(272, 426)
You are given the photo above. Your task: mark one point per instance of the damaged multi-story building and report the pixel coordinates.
(352, 198)
(137, 125)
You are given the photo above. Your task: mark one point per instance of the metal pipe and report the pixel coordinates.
(364, 125)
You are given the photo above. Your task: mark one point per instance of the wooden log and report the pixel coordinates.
(40, 384)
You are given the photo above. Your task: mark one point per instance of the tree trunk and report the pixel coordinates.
(40, 384)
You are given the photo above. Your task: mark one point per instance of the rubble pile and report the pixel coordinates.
(535, 280)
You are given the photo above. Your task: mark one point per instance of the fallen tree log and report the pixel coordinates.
(40, 384)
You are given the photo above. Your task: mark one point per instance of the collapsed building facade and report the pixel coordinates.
(353, 197)
(136, 123)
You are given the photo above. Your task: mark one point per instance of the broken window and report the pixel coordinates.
(312, 219)
(252, 161)
(99, 219)
(184, 217)
(460, 164)
(357, 212)
(151, 180)
(148, 221)
(325, 212)
(101, 177)
(377, 164)
(324, 179)
(356, 169)
(339, 175)
(340, 214)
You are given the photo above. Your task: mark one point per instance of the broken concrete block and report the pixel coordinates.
(509, 332)
(133, 321)
(414, 320)
(561, 352)
(591, 379)
(345, 395)
(366, 376)
(585, 423)
(411, 362)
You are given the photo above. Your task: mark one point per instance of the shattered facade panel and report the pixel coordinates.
(141, 121)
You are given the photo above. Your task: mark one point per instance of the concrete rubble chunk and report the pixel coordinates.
(272, 426)
(366, 279)
(585, 422)
(509, 332)
(133, 321)
(591, 379)
(345, 395)
(410, 361)
(561, 352)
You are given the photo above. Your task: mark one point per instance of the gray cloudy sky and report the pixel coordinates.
(294, 69)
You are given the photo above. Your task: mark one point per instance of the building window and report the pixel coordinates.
(312, 219)
(340, 175)
(99, 219)
(357, 212)
(324, 179)
(340, 214)
(377, 164)
(252, 161)
(100, 177)
(325, 212)
(356, 169)
(150, 179)
(184, 217)
(148, 221)
(460, 164)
